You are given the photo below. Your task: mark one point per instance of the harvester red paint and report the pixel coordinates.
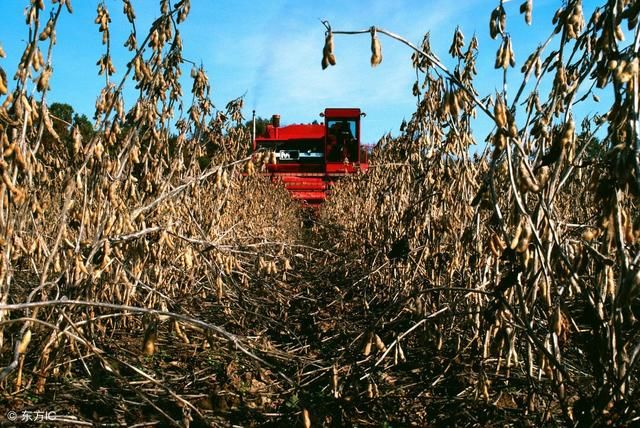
(310, 157)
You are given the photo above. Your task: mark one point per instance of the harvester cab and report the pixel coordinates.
(310, 157)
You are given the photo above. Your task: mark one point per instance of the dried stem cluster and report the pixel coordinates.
(137, 239)
(528, 252)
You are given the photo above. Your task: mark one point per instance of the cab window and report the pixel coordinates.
(342, 140)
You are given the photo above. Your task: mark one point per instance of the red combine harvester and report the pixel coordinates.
(308, 158)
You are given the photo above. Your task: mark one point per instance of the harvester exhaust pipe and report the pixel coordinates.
(275, 121)
(253, 131)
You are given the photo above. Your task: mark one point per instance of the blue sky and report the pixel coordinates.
(271, 51)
